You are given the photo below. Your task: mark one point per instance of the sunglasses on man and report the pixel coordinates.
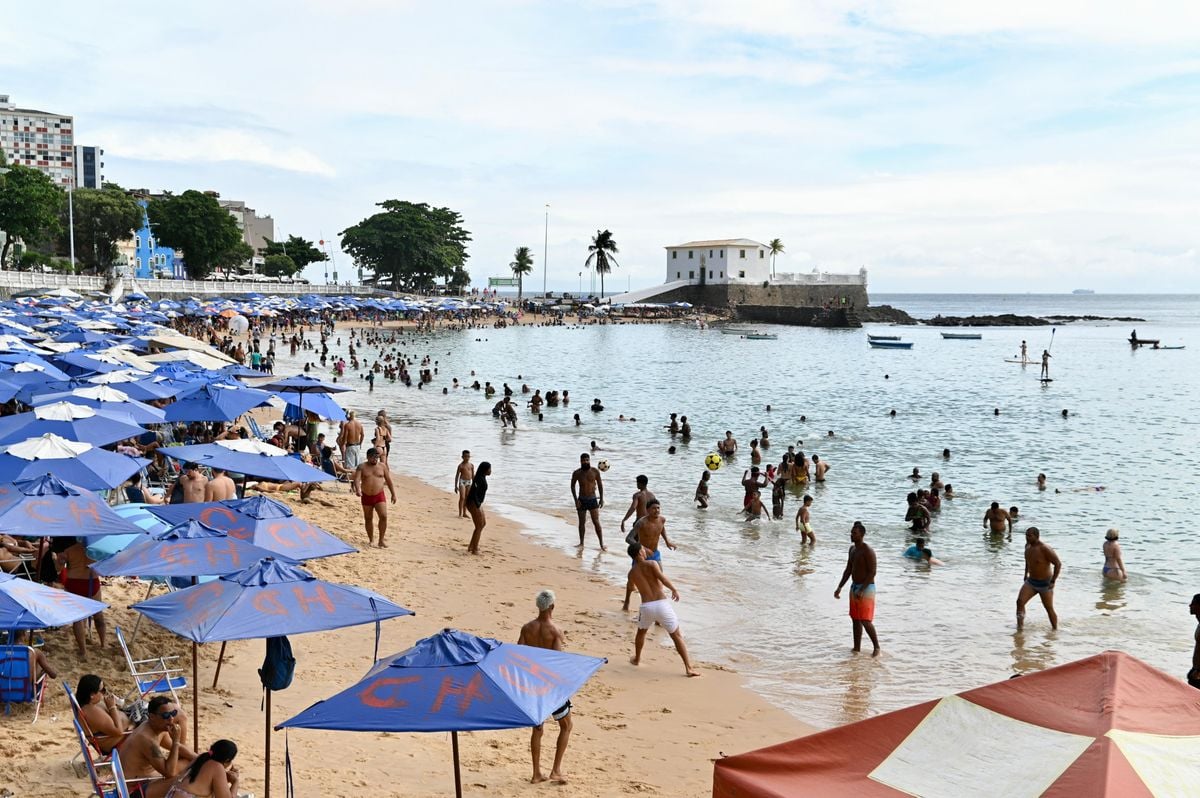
(168, 715)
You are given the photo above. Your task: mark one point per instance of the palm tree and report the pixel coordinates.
(602, 249)
(522, 265)
(776, 247)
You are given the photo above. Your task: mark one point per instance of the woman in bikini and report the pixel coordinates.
(474, 503)
(1114, 566)
(212, 774)
(383, 434)
(80, 579)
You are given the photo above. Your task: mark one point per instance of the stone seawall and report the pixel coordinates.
(803, 305)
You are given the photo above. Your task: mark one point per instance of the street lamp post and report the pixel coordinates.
(546, 250)
(71, 219)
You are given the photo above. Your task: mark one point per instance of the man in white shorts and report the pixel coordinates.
(648, 578)
(350, 438)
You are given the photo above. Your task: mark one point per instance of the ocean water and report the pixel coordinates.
(752, 596)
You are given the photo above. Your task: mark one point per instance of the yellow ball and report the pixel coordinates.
(713, 461)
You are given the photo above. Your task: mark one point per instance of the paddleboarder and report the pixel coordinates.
(1046, 364)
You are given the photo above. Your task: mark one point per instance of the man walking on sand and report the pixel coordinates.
(860, 570)
(1042, 568)
(368, 483)
(349, 441)
(541, 632)
(648, 530)
(648, 578)
(587, 489)
(464, 475)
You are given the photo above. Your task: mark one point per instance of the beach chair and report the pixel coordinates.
(256, 430)
(152, 675)
(93, 739)
(17, 682)
(113, 783)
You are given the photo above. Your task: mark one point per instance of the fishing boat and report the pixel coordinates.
(761, 337)
(737, 331)
(890, 344)
(962, 336)
(882, 337)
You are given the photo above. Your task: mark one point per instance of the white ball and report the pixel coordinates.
(602, 465)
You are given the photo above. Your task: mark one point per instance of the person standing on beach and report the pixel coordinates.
(189, 488)
(1045, 364)
(542, 632)
(648, 578)
(587, 490)
(368, 483)
(383, 435)
(1114, 565)
(349, 441)
(1193, 676)
(860, 570)
(637, 506)
(475, 495)
(998, 520)
(648, 530)
(220, 488)
(1042, 568)
(463, 475)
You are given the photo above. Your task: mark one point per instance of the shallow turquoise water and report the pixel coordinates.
(754, 597)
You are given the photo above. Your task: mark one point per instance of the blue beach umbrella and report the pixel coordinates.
(262, 521)
(269, 599)
(319, 404)
(28, 605)
(135, 513)
(190, 548)
(81, 464)
(73, 422)
(45, 506)
(302, 385)
(215, 403)
(263, 463)
(454, 682)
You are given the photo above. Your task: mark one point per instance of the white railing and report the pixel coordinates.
(819, 278)
(19, 280)
(244, 287)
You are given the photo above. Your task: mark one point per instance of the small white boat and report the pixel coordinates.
(962, 336)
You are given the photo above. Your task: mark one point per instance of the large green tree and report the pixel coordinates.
(237, 255)
(409, 245)
(521, 265)
(103, 216)
(278, 266)
(299, 251)
(776, 248)
(602, 249)
(196, 224)
(29, 206)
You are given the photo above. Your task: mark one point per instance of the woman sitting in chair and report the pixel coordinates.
(14, 554)
(103, 718)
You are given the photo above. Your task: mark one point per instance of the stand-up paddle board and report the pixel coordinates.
(1022, 362)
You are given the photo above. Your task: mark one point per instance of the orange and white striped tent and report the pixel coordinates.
(1108, 725)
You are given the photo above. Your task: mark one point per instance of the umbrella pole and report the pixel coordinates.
(195, 697)
(457, 776)
(267, 749)
(220, 659)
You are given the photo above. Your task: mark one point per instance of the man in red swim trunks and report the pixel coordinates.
(370, 479)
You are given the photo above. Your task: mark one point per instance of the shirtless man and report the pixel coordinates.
(998, 520)
(820, 467)
(685, 429)
(649, 528)
(728, 446)
(648, 578)
(190, 485)
(673, 427)
(541, 632)
(155, 750)
(463, 476)
(753, 482)
(349, 441)
(804, 521)
(368, 483)
(1042, 568)
(220, 488)
(860, 570)
(587, 490)
(1193, 676)
(637, 506)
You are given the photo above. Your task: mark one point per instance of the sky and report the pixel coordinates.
(947, 146)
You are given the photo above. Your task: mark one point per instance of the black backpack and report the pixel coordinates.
(278, 666)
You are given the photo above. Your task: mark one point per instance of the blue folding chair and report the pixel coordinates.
(18, 685)
(151, 679)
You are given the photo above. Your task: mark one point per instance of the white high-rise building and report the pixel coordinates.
(38, 139)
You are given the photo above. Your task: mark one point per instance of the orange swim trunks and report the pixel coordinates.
(862, 602)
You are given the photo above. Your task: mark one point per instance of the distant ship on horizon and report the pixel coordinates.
(1083, 291)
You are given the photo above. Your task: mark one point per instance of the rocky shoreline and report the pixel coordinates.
(886, 314)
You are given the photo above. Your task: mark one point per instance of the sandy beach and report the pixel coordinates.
(638, 730)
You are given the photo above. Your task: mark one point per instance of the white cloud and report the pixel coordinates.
(203, 145)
